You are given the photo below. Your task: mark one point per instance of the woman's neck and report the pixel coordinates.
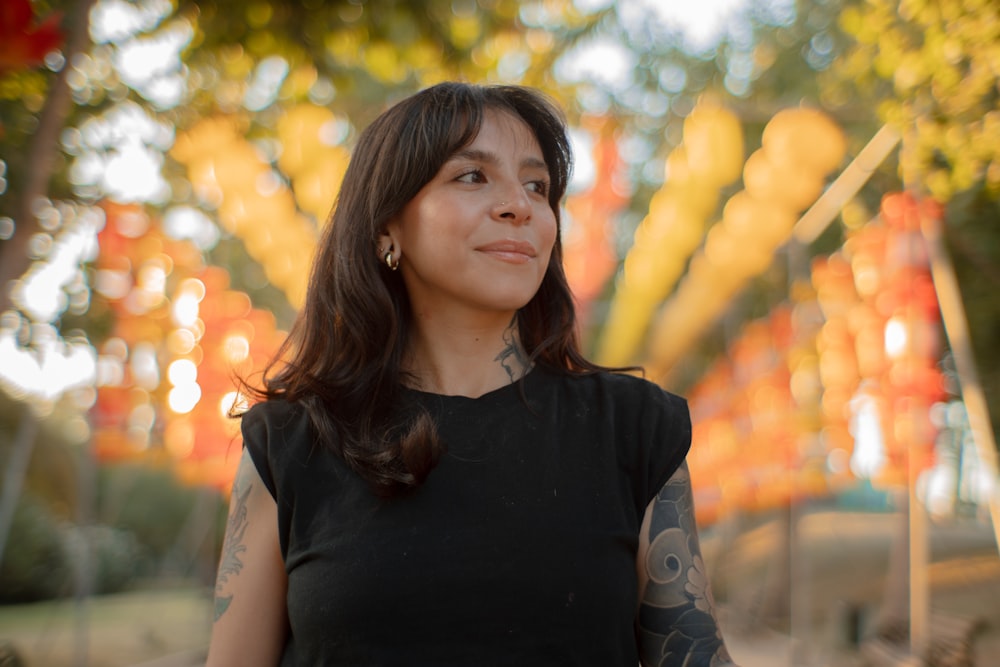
(464, 361)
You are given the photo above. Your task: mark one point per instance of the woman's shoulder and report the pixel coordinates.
(275, 414)
(650, 426)
(626, 387)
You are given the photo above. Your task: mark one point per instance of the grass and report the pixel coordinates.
(119, 630)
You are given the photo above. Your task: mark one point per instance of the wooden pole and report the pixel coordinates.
(918, 547)
(851, 180)
(957, 330)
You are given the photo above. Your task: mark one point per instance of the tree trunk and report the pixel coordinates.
(14, 259)
(15, 469)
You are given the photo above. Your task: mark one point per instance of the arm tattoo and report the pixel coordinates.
(236, 527)
(512, 357)
(677, 626)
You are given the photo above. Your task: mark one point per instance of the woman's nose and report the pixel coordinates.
(513, 206)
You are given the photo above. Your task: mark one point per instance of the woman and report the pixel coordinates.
(435, 475)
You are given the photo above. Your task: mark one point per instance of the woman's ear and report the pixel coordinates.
(388, 249)
(387, 243)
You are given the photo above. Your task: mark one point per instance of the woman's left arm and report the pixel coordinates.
(676, 623)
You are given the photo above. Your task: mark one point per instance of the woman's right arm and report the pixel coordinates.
(250, 612)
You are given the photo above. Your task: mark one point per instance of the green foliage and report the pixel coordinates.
(36, 565)
(141, 511)
(112, 556)
(359, 54)
(932, 65)
(45, 556)
(53, 470)
(149, 503)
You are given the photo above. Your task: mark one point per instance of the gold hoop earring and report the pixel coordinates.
(390, 261)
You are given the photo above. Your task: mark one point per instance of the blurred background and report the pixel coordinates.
(786, 211)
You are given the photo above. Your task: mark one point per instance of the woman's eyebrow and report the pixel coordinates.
(489, 157)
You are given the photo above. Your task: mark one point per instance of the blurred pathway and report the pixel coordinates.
(842, 562)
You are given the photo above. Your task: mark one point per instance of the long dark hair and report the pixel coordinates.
(343, 357)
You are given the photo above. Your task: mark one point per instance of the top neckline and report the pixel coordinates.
(494, 395)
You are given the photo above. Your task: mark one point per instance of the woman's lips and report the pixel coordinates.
(515, 252)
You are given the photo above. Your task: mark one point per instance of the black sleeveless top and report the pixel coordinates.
(519, 549)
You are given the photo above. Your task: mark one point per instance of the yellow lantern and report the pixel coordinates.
(714, 144)
(672, 225)
(722, 249)
(238, 166)
(780, 182)
(301, 132)
(805, 137)
(207, 137)
(758, 222)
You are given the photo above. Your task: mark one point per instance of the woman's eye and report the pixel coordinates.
(474, 176)
(539, 187)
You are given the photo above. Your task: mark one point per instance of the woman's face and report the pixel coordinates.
(478, 236)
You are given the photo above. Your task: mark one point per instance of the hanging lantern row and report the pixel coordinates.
(253, 202)
(848, 341)
(912, 381)
(707, 159)
(800, 147)
(165, 373)
(838, 386)
(312, 157)
(753, 422)
(238, 341)
(881, 343)
(588, 255)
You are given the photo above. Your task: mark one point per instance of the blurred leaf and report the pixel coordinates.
(24, 40)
